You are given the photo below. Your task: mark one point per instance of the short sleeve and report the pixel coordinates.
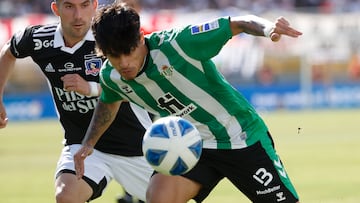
(204, 41)
(21, 43)
(109, 93)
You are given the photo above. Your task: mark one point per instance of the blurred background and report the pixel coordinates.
(319, 70)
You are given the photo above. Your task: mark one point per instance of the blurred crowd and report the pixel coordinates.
(11, 8)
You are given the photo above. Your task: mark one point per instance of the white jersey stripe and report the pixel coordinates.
(192, 61)
(116, 78)
(141, 115)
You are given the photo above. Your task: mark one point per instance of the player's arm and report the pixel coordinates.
(74, 82)
(7, 64)
(258, 26)
(103, 116)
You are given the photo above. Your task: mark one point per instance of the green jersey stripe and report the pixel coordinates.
(105, 74)
(190, 60)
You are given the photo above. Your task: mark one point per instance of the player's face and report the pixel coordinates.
(130, 65)
(76, 16)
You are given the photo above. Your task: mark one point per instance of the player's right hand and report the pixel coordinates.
(74, 82)
(79, 159)
(282, 27)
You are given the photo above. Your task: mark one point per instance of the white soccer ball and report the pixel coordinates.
(172, 145)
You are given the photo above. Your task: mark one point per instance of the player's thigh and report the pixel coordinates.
(133, 173)
(97, 173)
(69, 189)
(174, 189)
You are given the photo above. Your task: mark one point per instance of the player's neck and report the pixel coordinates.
(70, 43)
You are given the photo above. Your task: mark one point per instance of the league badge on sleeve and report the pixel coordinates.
(206, 27)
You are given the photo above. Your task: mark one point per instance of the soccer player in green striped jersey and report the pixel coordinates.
(170, 72)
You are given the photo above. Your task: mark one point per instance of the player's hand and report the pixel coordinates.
(74, 82)
(282, 27)
(3, 117)
(79, 158)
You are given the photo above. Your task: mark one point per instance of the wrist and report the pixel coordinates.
(94, 89)
(268, 29)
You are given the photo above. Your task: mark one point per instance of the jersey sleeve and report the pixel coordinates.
(21, 43)
(108, 93)
(204, 41)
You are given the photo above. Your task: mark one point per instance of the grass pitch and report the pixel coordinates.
(320, 150)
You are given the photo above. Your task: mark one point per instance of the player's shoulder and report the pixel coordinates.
(36, 31)
(160, 38)
(107, 67)
(106, 71)
(43, 31)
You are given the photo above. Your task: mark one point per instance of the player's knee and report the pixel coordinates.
(154, 197)
(64, 195)
(164, 197)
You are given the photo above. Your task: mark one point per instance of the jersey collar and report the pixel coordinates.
(59, 40)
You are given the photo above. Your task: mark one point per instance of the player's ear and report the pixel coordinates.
(95, 4)
(142, 37)
(54, 8)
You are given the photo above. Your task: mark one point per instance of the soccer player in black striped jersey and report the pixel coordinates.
(170, 72)
(64, 52)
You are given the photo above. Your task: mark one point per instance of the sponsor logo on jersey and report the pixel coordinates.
(92, 66)
(69, 67)
(169, 103)
(49, 68)
(39, 44)
(127, 89)
(206, 27)
(268, 190)
(74, 102)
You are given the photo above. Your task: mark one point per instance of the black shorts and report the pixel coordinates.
(255, 170)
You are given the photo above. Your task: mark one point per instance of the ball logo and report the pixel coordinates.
(172, 145)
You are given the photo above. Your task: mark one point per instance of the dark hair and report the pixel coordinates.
(116, 29)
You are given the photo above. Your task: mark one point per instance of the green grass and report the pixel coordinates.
(322, 159)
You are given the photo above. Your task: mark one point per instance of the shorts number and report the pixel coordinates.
(263, 177)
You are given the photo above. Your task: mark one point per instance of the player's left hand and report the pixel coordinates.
(79, 158)
(282, 27)
(74, 82)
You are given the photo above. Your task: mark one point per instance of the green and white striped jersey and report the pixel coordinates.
(180, 79)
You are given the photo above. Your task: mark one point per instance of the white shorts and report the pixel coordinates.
(133, 173)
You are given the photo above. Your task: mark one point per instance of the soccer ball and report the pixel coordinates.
(172, 145)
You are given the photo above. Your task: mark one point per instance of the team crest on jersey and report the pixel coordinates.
(206, 27)
(167, 71)
(92, 66)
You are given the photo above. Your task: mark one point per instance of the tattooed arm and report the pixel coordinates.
(103, 116)
(257, 26)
